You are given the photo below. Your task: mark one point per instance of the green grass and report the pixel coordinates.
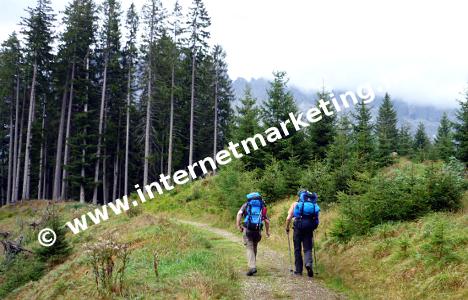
(193, 264)
(422, 259)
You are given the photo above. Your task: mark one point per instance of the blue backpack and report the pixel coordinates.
(253, 218)
(306, 206)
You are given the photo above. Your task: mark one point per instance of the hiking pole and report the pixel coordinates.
(315, 256)
(290, 260)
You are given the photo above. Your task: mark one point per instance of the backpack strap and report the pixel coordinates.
(301, 211)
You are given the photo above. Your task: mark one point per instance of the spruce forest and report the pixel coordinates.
(113, 100)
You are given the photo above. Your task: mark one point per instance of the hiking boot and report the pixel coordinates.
(251, 272)
(297, 273)
(310, 271)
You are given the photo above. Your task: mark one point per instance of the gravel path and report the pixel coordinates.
(273, 281)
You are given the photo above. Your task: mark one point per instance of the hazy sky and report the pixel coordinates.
(416, 50)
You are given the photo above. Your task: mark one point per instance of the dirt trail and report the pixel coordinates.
(273, 281)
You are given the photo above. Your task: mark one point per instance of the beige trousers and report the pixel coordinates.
(251, 239)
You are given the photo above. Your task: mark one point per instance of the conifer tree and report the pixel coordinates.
(153, 16)
(421, 142)
(10, 64)
(341, 157)
(109, 111)
(222, 97)
(131, 55)
(280, 101)
(387, 132)
(405, 140)
(77, 43)
(461, 130)
(275, 109)
(322, 133)
(363, 134)
(197, 23)
(247, 125)
(75, 48)
(443, 143)
(39, 40)
(177, 30)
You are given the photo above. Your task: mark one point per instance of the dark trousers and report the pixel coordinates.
(302, 239)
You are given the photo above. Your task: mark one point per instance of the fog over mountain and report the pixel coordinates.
(407, 112)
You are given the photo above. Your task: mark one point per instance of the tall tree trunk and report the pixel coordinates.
(58, 156)
(41, 155)
(147, 129)
(127, 129)
(2, 189)
(44, 181)
(105, 191)
(83, 151)
(192, 106)
(116, 174)
(10, 156)
(116, 161)
(67, 137)
(27, 162)
(148, 105)
(101, 123)
(104, 166)
(171, 122)
(20, 147)
(215, 125)
(15, 146)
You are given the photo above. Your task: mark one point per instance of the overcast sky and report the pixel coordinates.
(416, 50)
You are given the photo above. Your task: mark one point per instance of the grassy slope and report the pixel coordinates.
(193, 265)
(396, 261)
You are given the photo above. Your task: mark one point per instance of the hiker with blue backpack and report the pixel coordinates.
(254, 214)
(305, 212)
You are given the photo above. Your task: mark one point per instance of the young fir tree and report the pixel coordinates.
(405, 140)
(197, 23)
(276, 109)
(387, 132)
(421, 143)
(364, 141)
(322, 133)
(443, 143)
(461, 130)
(247, 125)
(341, 157)
(37, 30)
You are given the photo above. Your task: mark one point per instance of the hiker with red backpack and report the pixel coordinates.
(306, 219)
(254, 213)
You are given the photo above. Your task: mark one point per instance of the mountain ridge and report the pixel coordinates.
(408, 113)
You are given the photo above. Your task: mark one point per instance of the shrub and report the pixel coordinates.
(109, 260)
(273, 183)
(18, 271)
(134, 211)
(318, 178)
(398, 196)
(61, 248)
(445, 186)
(231, 185)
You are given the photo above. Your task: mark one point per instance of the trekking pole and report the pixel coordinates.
(290, 259)
(315, 256)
